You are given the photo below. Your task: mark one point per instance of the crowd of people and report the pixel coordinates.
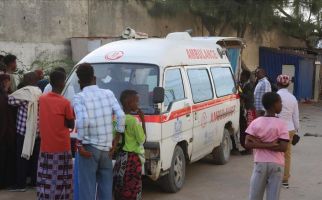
(269, 121)
(36, 120)
(35, 146)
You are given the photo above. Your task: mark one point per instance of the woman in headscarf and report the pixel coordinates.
(7, 134)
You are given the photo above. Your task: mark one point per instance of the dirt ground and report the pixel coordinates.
(205, 181)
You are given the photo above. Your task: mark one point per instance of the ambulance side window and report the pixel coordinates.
(200, 85)
(173, 86)
(224, 81)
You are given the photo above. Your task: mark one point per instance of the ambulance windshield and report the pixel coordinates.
(118, 77)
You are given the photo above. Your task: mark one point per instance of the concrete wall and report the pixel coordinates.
(28, 28)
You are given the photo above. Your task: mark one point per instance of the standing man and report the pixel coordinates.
(11, 64)
(263, 86)
(247, 108)
(55, 165)
(48, 87)
(94, 109)
(290, 114)
(28, 142)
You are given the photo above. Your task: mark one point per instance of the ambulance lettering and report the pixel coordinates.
(222, 113)
(200, 54)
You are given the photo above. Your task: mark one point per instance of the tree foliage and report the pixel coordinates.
(303, 20)
(300, 19)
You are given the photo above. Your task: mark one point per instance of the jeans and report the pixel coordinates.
(266, 176)
(95, 175)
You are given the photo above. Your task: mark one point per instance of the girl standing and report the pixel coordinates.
(130, 158)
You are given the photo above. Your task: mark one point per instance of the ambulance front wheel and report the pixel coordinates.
(221, 154)
(174, 180)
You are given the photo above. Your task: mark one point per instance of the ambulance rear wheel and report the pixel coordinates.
(174, 180)
(221, 154)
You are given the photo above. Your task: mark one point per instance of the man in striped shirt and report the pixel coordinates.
(263, 86)
(94, 109)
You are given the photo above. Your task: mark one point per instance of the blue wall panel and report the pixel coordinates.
(273, 60)
(305, 79)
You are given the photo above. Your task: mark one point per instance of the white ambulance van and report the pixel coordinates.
(187, 92)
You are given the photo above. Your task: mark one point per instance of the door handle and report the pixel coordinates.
(187, 105)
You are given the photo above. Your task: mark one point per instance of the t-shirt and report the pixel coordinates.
(134, 135)
(54, 109)
(268, 129)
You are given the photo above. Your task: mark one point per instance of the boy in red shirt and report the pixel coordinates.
(55, 165)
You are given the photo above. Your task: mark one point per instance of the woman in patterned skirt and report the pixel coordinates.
(130, 158)
(55, 165)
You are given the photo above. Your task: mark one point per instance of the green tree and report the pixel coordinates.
(218, 15)
(300, 19)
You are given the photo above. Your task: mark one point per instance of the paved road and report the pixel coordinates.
(206, 181)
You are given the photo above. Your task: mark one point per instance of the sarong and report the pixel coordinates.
(55, 176)
(250, 116)
(127, 177)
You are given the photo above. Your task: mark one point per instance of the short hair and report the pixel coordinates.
(56, 77)
(85, 73)
(61, 69)
(246, 73)
(39, 73)
(9, 59)
(3, 77)
(127, 94)
(29, 78)
(269, 99)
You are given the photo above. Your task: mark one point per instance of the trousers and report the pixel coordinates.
(266, 176)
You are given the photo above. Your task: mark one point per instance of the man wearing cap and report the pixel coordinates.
(290, 114)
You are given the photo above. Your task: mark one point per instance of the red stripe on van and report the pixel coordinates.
(187, 110)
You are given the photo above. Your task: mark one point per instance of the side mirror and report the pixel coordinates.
(158, 95)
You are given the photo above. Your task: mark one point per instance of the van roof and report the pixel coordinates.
(176, 49)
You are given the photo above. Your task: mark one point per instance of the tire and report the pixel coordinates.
(221, 154)
(174, 180)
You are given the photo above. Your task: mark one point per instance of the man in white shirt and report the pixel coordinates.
(290, 114)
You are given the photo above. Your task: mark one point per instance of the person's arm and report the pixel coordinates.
(120, 123)
(254, 143)
(281, 147)
(16, 102)
(248, 94)
(268, 87)
(296, 117)
(141, 115)
(115, 142)
(82, 124)
(69, 116)
(119, 114)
